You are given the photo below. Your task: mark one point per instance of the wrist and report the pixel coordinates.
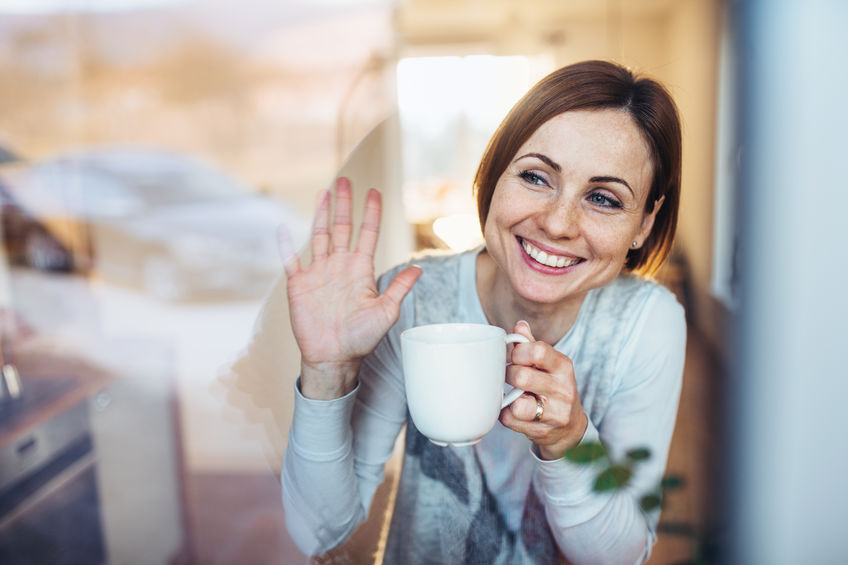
(327, 381)
(558, 449)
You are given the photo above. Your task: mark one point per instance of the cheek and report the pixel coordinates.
(611, 239)
(504, 209)
(488, 230)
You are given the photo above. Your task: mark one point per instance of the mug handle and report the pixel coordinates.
(513, 394)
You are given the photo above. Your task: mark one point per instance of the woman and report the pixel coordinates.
(577, 192)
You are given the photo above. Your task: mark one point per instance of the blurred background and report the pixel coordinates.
(149, 149)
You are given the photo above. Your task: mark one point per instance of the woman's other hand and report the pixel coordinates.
(337, 313)
(546, 376)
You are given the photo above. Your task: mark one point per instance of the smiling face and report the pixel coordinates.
(567, 208)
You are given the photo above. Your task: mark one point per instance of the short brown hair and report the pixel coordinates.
(595, 85)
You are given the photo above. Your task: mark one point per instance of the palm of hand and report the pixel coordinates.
(336, 309)
(337, 314)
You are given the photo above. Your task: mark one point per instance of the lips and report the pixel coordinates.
(548, 259)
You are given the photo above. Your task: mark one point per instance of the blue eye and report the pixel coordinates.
(603, 200)
(532, 178)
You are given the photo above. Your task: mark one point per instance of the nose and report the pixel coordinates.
(562, 219)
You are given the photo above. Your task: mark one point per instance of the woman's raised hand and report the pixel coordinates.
(337, 314)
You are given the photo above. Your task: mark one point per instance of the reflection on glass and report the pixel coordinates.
(131, 274)
(167, 223)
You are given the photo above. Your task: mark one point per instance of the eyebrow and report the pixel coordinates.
(545, 159)
(612, 179)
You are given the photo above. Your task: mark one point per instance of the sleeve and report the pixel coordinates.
(337, 449)
(592, 527)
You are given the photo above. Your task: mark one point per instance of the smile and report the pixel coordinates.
(547, 259)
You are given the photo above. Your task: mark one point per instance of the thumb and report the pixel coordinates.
(523, 328)
(402, 284)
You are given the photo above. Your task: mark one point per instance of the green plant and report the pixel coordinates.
(615, 475)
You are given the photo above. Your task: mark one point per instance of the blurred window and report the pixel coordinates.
(115, 186)
(449, 107)
(56, 188)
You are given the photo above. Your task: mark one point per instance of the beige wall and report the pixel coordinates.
(692, 52)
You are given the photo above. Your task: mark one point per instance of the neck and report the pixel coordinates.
(504, 307)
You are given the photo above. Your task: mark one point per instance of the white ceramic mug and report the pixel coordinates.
(454, 376)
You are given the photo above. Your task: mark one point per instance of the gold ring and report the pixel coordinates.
(540, 409)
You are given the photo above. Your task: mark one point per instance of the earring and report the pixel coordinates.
(633, 245)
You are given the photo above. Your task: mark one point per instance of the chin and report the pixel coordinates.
(546, 294)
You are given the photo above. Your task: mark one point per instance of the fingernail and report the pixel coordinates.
(525, 322)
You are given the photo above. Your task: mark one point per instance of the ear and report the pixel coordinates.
(648, 220)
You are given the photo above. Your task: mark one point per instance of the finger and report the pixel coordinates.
(531, 380)
(522, 327)
(401, 285)
(342, 216)
(526, 426)
(370, 229)
(320, 227)
(542, 356)
(288, 253)
(526, 406)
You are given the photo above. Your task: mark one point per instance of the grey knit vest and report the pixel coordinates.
(444, 512)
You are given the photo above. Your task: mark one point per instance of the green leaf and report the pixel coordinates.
(640, 454)
(650, 502)
(672, 482)
(586, 452)
(614, 477)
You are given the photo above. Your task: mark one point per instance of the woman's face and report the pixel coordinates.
(569, 205)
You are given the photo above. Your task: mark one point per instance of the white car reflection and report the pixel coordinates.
(168, 223)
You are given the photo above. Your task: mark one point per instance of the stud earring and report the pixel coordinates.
(633, 245)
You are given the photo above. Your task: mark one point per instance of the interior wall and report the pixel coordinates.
(691, 73)
(635, 41)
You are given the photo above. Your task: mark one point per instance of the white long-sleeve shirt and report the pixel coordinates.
(338, 449)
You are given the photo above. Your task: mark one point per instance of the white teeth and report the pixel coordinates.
(545, 259)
